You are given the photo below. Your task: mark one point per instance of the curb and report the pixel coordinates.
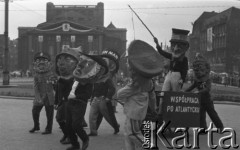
(20, 98)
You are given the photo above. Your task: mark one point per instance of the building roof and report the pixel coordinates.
(223, 16)
(111, 26)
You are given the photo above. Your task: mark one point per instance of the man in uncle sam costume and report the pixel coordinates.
(178, 61)
(44, 91)
(144, 63)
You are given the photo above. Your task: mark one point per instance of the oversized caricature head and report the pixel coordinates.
(42, 62)
(112, 59)
(90, 68)
(179, 42)
(67, 60)
(201, 67)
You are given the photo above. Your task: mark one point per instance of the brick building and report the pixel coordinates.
(216, 36)
(69, 25)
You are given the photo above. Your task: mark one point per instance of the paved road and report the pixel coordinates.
(16, 120)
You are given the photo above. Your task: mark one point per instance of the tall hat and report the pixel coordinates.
(179, 35)
(114, 56)
(144, 59)
(90, 68)
(42, 55)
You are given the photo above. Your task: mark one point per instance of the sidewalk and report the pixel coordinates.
(16, 120)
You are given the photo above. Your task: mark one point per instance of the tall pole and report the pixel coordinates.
(6, 52)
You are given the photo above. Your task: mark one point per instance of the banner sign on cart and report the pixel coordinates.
(181, 109)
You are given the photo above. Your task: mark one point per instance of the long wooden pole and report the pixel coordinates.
(141, 20)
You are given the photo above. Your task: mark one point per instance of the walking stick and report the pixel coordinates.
(141, 20)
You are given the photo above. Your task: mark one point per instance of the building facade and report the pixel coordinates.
(216, 36)
(71, 26)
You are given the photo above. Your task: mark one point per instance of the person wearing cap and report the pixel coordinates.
(178, 61)
(143, 64)
(87, 71)
(44, 91)
(104, 90)
(66, 62)
(202, 84)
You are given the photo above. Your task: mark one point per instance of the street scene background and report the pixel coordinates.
(16, 120)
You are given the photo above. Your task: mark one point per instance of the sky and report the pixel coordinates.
(160, 16)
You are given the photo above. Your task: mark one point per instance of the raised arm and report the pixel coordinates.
(163, 53)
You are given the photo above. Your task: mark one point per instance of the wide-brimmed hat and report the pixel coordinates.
(42, 55)
(113, 55)
(144, 59)
(90, 68)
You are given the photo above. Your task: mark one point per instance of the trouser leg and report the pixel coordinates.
(36, 114)
(99, 120)
(213, 115)
(93, 115)
(71, 133)
(109, 114)
(133, 135)
(203, 123)
(49, 114)
(61, 117)
(78, 112)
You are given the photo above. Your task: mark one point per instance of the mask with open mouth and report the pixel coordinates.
(90, 68)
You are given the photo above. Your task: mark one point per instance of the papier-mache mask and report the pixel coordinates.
(67, 60)
(201, 67)
(90, 68)
(42, 62)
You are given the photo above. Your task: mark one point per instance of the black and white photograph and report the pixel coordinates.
(119, 74)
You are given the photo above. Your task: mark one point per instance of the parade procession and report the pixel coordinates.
(102, 90)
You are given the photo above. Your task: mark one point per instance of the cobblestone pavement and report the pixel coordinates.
(16, 120)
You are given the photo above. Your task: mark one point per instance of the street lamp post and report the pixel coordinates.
(6, 51)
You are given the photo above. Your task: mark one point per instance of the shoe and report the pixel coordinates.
(74, 147)
(116, 130)
(85, 145)
(63, 138)
(66, 141)
(34, 129)
(92, 134)
(47, 132)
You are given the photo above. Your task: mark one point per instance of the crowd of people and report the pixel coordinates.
(83, 78)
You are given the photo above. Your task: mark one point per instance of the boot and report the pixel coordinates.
(35, 115)
(63, 138)
(85, 145)
(74, 147)
(66, 141)
(34, 129)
